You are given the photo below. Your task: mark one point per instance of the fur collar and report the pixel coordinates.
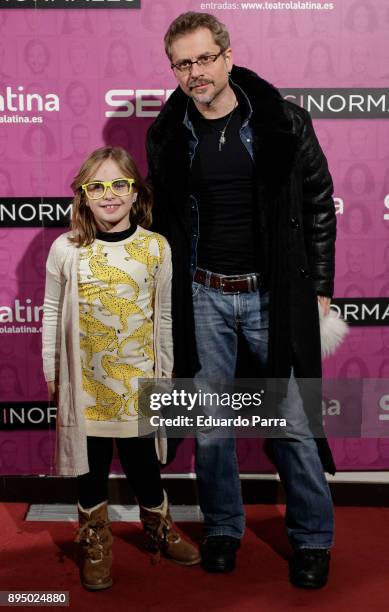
(265, 100)
(275, 143)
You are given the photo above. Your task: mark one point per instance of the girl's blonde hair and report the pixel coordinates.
(83, 225)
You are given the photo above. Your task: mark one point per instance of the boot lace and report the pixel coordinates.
(89, 537)
(158, 529)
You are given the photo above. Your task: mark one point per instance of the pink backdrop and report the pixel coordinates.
(83, 64)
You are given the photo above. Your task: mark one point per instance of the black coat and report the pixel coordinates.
(297, 225)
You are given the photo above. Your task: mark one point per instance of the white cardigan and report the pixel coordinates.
(61, 349)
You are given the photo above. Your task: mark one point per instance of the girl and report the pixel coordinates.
(107, 321)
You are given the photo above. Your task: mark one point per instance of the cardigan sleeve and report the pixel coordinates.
(164, 278)
(52, 311)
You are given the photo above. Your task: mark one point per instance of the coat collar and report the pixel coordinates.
(275, 143)
(263, 100)
(274, 139)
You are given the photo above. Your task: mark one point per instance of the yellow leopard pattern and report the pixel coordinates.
(116, 295)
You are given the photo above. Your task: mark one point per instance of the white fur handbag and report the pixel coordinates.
(333, 330)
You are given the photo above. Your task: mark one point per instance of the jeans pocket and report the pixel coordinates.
(195, 289)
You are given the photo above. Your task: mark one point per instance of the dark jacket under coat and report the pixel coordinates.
(297, 226)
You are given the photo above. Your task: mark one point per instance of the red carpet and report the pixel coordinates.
(39, 556)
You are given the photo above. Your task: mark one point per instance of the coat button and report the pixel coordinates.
(294, 223)
(304, 273)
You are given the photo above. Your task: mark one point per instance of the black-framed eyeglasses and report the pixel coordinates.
(204, 60)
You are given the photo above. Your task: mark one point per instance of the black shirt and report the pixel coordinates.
(222, 183)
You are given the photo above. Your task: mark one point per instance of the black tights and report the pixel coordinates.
(139, 461)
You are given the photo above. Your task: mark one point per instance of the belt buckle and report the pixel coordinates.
(252, 284)
(222, 288)
(228, 292)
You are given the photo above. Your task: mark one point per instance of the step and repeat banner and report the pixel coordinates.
(78, 74)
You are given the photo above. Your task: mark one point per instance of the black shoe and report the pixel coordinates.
(309, 567)
(218, 553)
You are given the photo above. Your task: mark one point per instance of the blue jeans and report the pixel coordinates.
(309, 512)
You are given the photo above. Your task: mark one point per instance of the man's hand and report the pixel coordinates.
(324, 303)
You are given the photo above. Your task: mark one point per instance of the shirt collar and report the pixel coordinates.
(242, 98)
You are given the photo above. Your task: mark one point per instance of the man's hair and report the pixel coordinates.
(191, 21)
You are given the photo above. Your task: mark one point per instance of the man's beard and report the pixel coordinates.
(207, 99)
(201, 100)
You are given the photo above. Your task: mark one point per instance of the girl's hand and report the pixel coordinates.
(52, 389)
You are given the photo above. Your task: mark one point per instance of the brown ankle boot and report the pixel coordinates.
(162, 537)
(95, 539)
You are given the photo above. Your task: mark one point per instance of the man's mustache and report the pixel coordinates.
(193, 84)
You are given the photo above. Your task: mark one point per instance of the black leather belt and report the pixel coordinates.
(242, 283)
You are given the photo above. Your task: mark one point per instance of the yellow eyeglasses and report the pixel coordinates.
(97, 189)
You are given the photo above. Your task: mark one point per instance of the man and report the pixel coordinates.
(243, 194)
